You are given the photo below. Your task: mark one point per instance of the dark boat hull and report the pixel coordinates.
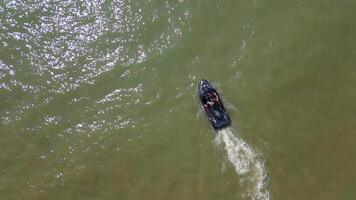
(217, 113)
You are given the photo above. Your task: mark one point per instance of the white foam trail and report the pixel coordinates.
(247, 162)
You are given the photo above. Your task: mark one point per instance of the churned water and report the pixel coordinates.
(98, 99)
(247, 162)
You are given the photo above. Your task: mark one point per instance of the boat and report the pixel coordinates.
(213, 105)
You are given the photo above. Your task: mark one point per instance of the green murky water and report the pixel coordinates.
(98, 99)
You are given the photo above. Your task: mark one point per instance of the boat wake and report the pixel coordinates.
(248, 163)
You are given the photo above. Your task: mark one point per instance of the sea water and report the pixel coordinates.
(98, 99)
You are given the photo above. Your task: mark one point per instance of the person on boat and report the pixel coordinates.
(212, 97)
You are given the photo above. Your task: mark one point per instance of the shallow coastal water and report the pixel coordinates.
(98, 99)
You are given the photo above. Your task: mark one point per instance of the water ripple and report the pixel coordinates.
(56, 47)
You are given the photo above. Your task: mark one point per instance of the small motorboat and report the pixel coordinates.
(213, 105)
